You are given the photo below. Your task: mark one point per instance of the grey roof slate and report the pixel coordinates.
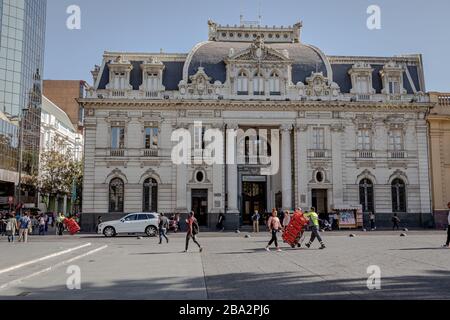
(210, 56)
(173, 73)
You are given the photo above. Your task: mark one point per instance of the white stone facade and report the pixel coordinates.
(331, 138)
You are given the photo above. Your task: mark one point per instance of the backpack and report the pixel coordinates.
(195, 227)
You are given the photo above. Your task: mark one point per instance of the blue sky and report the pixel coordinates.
(338, 27)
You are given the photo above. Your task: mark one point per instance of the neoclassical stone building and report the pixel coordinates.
(352, 130)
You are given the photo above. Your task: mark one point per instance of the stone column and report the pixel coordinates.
(424, 178)
(336, 151)
(286, 166)
(302, 154)
(232, 175)
(182, 171)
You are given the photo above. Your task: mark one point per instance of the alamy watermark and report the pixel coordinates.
(374, 20)
(243, 147)
(73, 22)
(374, 279)
(74, 280)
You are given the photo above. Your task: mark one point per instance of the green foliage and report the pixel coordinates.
(58, 172)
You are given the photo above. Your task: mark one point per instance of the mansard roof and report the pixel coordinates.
(211, 55)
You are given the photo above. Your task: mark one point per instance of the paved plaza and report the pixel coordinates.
(232, 267)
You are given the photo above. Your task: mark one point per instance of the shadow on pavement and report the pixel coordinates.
(255, 286)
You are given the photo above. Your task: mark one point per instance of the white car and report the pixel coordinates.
(133, 223)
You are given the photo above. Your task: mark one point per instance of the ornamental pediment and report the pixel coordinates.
(318, 85)
(258, 51)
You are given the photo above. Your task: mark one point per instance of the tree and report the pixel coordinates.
(59, 171)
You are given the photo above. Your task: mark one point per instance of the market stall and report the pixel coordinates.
(349, 217)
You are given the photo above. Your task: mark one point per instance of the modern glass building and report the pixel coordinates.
(22, 39)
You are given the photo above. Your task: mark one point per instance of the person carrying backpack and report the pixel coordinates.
(24, 226)
(395, 221)
(192, 232)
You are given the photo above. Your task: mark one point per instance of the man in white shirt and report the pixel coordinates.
(447, 244)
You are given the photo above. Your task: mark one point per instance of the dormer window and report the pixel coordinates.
(258, 84)
(152, 82)
(361, 75)
(152, 71)
(394, 86)
(119, 76)
(120, 81)
(362, 85)
(242, 83)
(392, 77)
(274, 84)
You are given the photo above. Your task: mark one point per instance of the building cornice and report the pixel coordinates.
(409, 59)
(252, 105)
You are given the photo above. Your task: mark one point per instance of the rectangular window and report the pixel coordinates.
(362, 85)
(396, 140)
(364, 139)
(394, 87)
(151, 138)
(117, 138)
(318, 138)
(199, 135)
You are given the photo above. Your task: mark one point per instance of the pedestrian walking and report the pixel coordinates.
(372, 221)
(60, 224)
(24, 227)
(42, 225)
(447, 244)
(3, 219)
(177, 221)
(34, 224)
(192, 231)
(11, 227)
(46, 218)
(99, 221)
(314, 222)
(220, 224)
(255, 218)
(395, 222)
(163, 227)
(286, 219)
(274, 226)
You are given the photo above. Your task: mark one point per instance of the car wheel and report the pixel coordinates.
(151, 231)
(109, 232)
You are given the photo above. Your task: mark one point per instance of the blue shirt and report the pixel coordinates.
(24, 222)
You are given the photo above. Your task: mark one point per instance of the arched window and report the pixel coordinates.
(258, 84)
(116, 195)
(150, 196)
(398, 196)
(274, 84)
(366, 196)
(242, 83)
